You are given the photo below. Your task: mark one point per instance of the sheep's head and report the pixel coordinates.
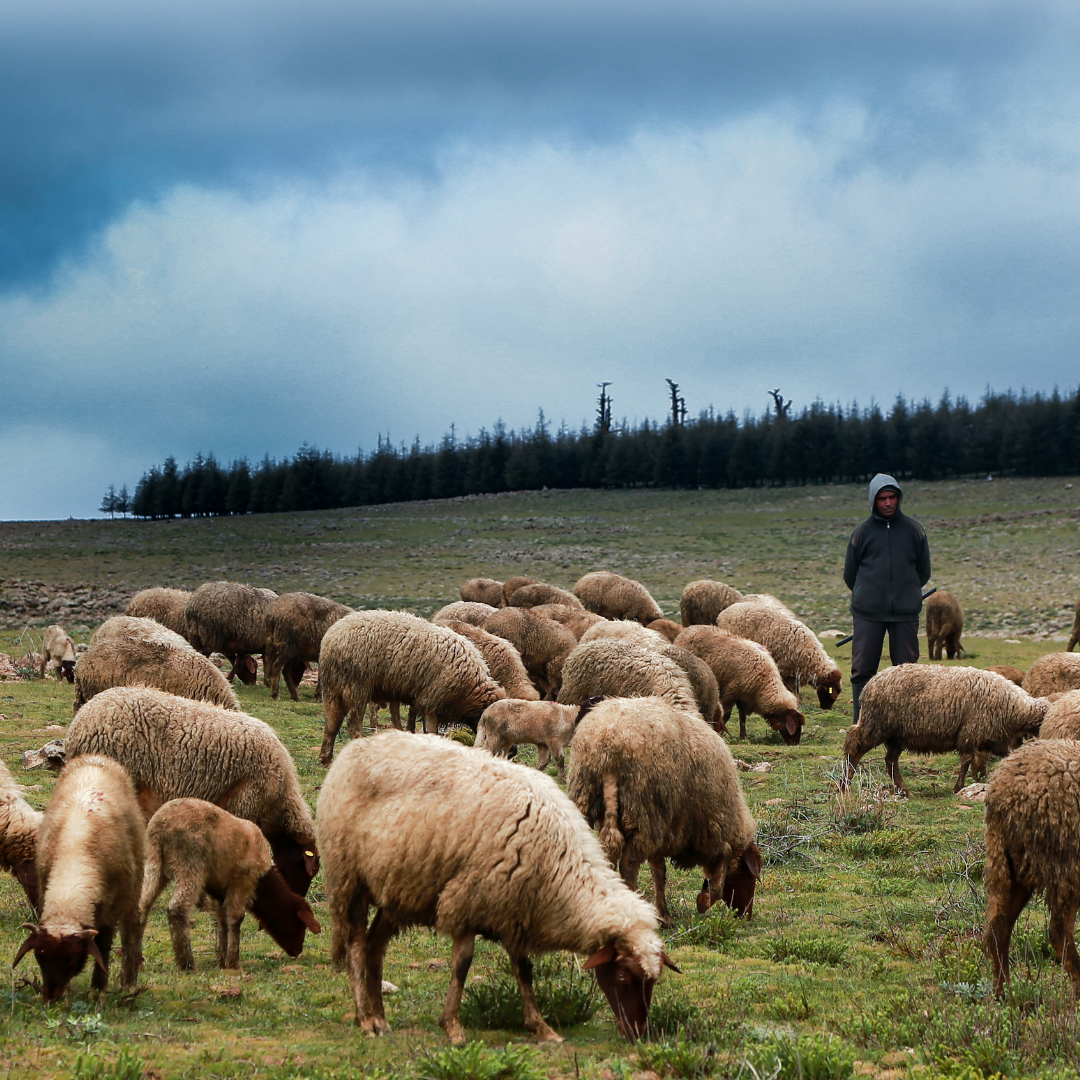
(60, 956)
(67, 671)
(789, 724)
(828, 689)
(627, 986)
(283, 914)
(298, 861)
(733, 881)
(247, 668)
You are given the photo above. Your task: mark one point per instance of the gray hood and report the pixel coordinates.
(884, 480)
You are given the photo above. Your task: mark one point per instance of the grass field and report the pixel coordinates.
(863, 951)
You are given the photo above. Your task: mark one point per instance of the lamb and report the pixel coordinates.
(617, 597)
(19, 826)
(545, 724)
(216, 857)
(1053, 673)
(464, 611)
(544, 645)
(703, 600)
(394, 656)
(91, 847)
(165, 606)
(57, 648)
(230, 618)
(484, 590)
(944, 625)
(576, 620)
(503, 661)
(624, 630)
(670, 629)
(538, 592)
(661, 785)
(620, 669)
(1033, 845)
(932, 710)
(175, 748)
(1013, 674)
(748, 678)
(1062, 719)
(445, 872)
(134, 627)
(800, 657)
(119, 661)
(1074, 637)
(295, 624)
(512, 584)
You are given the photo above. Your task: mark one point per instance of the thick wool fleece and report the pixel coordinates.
(1062, 720)
(503, 661)
(538, 592)
(165, 606)
(19, 824)
(617, 597)
(138, 628)
(229, 618)
(484, 591)
(703, 600)
(469, 611)
(1053, 673)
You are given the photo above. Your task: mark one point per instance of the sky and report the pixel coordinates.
(239, 226)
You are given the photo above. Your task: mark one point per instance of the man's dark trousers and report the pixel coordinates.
(866, 645)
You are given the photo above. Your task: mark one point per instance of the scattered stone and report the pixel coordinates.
(51, 754)
(388, 987)
(825, 634)
(972, 793)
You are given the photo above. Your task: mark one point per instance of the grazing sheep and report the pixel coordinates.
(512, 584)
(120, 661)
(538, 592)
(670, 629)
(617, 597)
(702, 682)
(662, 786)
(58, 649)
(932, 710)
(91, 847)
(621, 669)
(577, 620)
(765, 599)
(1062, 720)
(748, 678)
(394, 656)
(944, 625)
(1053, 673)
(532, 877)
(1013, 674)
(19, 825)
(137, 628)
(175, 748)
(503, 661)
(800, 657)
(544, 724)
(633, 633)
(295, 624)
(464, 611)
(230, 618)
(544, 644)
(484, 590)
(165, 606)
(1033, 845)
(703, 600)
(216, 857)
(1074, 637)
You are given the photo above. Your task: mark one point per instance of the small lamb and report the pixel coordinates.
(58, 650)
(545, 724)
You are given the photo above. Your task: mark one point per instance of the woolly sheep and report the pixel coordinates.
(748, 678)
(702, 682)
(662, 786)
(1033, 845)
(503, 661)
(445, 872)
(120, 661)
(576, 620)
(58, 648)
(1013, 674)
(765, 599)
(464, 611)
(295, 624)
(703, 600)
(165, 606)
(1053, 673)
(932, 710)
(216, 857)
(623, 630)
(91, 847)
(394, 656)
(944, 625)
(230, 618)
(544, 644)
(1074, 637)
(670, 629)
(538, 592)
(512, 584)
(544, 724)
(19, 825)
(617, 597)
(175, 748)
(800, 657)
(134, 627)
(621, 669)
(1062, 720)
(484, 590)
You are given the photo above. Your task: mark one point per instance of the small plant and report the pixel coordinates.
(474, 1061)
(805, 1057)
(127, 1066)
(864, 805)
(714, 930)
(679, 1058)
(461, 734)
(672, 1017)
(813, 949)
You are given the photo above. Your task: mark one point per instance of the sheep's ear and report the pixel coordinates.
(92, 945)
(28, 944)
(669, 963)
(792, 727)
(752, 858)
(601, 956)
(311, 860)
(307, 917)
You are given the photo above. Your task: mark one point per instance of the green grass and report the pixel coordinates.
(863, 946)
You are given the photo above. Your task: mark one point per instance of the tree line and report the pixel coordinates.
(1004, 433)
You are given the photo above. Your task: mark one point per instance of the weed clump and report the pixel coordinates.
(785, 1056)
(474, 1061)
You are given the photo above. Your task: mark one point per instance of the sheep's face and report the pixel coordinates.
(283, 914)
(298, 862)
(627, 987)
(247, 668)
(828, 690)
(60, 957)
(741, 881)
(67, 670)
(789, 725)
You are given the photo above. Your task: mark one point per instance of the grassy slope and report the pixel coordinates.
(855, 932)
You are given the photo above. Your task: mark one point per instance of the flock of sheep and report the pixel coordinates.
(168, 780)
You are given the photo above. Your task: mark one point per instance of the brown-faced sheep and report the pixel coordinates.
(503, 661)
(394, 656)
(121, 661)
(295, 624)
(1074, 637)
(512, 584)
(165, 606)
(445, 872)
(175, 748)
(576, 620)
(1053, 673)
(932, 710)
(216, 857)
(799, 655)
(1013, 674)
(661, 786)
(623, 630)
(91, 847)
(617, 597)
(137, 628)
(483, 590)
(748, 678)
(1062, 720)
(703, 600)
(19, 825)
(230, 618)
(464, 611)
(669, 628)
(538, 592)
(944, 625)
(544, 644)
(544, 724)
(1033, 845)
(58, 650)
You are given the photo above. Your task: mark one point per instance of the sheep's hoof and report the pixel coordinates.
(454, 1031)
(546, 1035)
(373, 1025)
(666, 920)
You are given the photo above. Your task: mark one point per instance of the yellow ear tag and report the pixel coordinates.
(310, 854)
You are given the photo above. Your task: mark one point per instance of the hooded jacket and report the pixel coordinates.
(888, 563)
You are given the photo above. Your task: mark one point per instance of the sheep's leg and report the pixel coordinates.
(411, 723)
(221, 952)
(379, 934)
(1001, 915)
(356, 963)
(395, 714)
(100, 979)
(978, 768)
(534, 1021)
(180, 907)
(543, 756)
(659, 886)
(334, 709)
(291, 680)
(1063, 939)
(154, 881)
(356, 719)
(629, 868)
(853, 754)
(131, 939)
(431, 725)
(233, 911)
(892, 767)
(460, 961)
(373, 715)
(966, 759)
(742, 720)
(560, 763)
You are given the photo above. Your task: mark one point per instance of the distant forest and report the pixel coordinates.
(1005, 433)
